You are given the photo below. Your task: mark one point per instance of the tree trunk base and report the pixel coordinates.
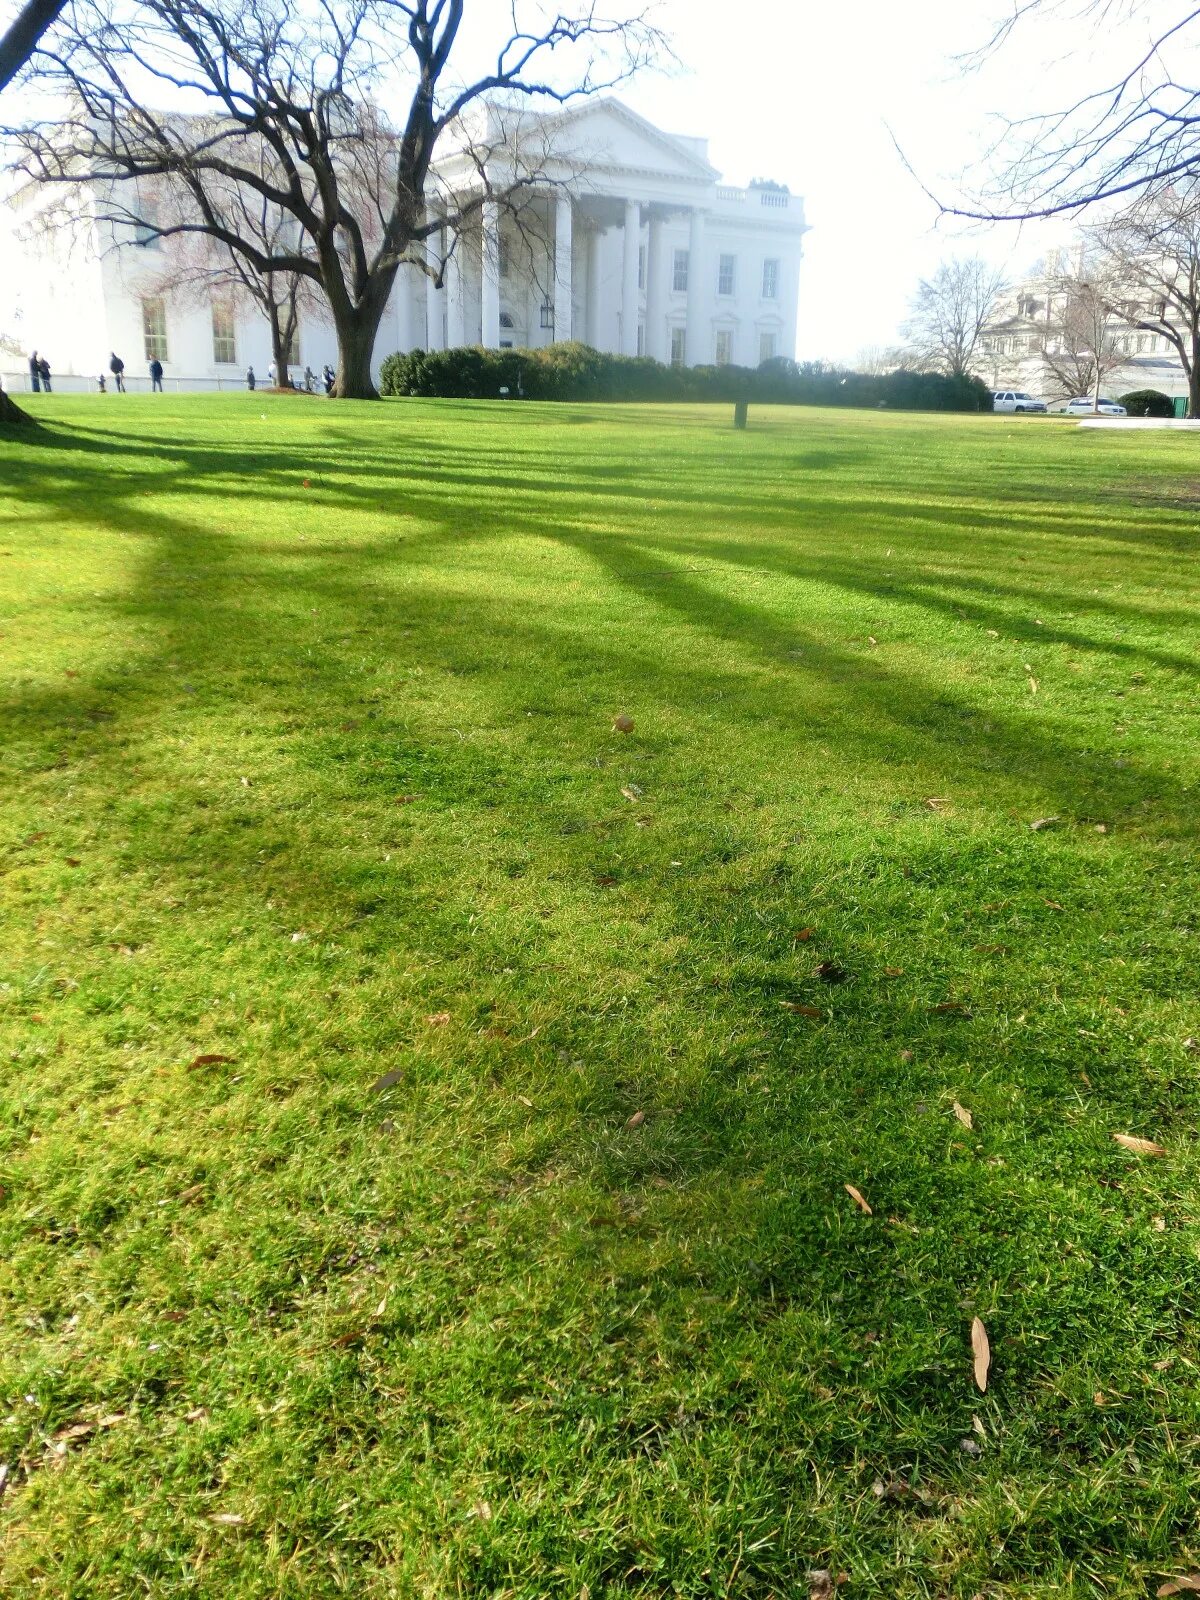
(11, 414)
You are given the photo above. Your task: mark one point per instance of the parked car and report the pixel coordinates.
(1015, 400)
(1084, 406)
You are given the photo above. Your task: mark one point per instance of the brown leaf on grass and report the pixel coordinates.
(963, 1115)
(210, 1060)
(804, 935)
(188, 1195)
(33, 838)
(858, 1200)
(1141, 1147)
(386, 1080)
(632, 792)
(906, 1055)
(935, 802)
(893, 972)
(820, 1584)
(173, 1316)
(605, 880)
(482, 1510)
(1054, 905)
(438, 1019)
(636, 1120)
(622, 723)
(830, 972)
(1039, 823)
(73, 861)
(801, 1010)
(1188, 1584)
(983, 1354)
(80, 1430)
(405, 799)
(525, 1101)
(990, 949)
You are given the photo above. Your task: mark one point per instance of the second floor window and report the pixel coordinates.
(726, 270)
(770, 283)
(144, 229)
(679, 275)
(224, 336)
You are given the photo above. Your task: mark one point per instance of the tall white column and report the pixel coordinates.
(656, 288)
(563, 263)
(491, 275)
(699, 333)
(456, 334)
(402, 305)
(593, 288)
(631, 243)
(435, 298)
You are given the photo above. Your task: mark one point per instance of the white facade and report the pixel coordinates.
(626, 240)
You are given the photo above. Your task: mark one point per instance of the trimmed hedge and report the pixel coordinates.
(573, 371)
(1148, 403)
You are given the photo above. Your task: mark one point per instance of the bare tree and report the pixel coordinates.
(1139, 130)
(300, 83)
(1078, 344)
(1151, 252)
(23, 35)
(949, 313)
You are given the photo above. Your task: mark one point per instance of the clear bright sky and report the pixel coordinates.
(805, 93)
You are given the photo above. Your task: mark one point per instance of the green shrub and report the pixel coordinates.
(1148, 403)
(575, 371)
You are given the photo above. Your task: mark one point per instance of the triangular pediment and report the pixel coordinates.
(607, 136)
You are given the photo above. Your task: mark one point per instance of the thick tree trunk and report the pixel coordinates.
(357, 330)
(11, 415)
(1194, 379)
(279, 351)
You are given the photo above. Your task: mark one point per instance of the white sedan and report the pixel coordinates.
(1085, 406)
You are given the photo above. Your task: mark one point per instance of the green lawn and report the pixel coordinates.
(423, 1130)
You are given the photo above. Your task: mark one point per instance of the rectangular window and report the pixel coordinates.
(724, 347)
(154, 329)
(641, 345)
(679, 275)
(642, 267)
(502, 256)
(678, 345)
(726, 268)
(770, 287)
(547, 314)
(766, 347)
(224, 336)
(143, 230)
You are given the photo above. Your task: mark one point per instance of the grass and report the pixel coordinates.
(414, 1182)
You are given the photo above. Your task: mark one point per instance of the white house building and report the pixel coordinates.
(626, 239)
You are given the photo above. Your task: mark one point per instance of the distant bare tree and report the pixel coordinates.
(1078, 347)
(288, 102)
(949, 313)
(1151, 253)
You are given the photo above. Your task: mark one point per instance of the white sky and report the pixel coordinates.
(804, 92)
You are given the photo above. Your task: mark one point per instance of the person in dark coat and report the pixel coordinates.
(156, 376)
(251, 380)
(35, 372)
(117, 367)
(44, 369)
(328, 376)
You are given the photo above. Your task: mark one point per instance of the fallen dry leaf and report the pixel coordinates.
(33, 838)
(405, 799)
(1054, 905)
(830, 972)
(525, 1101)
(992, 634)
(209, 1060)
(482, 1510)
(801, 1010)
(820, 1584)
(188, 1195)
(1188, 1584)
(622, 723)
(858, 1200)
(631, 792)
(1141, 1147)
(386, 1080)
(893, 972)
(1039, 823)
(74, 861)
(935, 802)
(983, 1354)
(438, 1019)
(228, 1519)
(636, 1120)
(990, 949)
(196, 1414)
(806, 934)
(963, 1115)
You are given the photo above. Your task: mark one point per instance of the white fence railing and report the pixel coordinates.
(19, 382)
(773, 199)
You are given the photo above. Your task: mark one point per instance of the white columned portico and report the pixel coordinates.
(563, 264)
(696, 352)
(631, 243)
(491, 275)
(655, 293)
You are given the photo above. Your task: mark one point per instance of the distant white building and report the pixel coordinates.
(1010, 348)
(633, 245)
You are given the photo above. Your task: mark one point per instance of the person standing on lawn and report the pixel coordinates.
(251, 380)
(117, 367)
(35, 372)
(156, 376)
(44, 369)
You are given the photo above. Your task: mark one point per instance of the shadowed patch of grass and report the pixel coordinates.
(309, 769)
